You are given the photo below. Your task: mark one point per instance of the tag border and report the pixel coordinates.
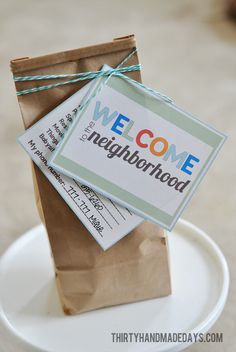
(57, 159)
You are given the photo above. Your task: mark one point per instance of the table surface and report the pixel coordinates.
(188, 51)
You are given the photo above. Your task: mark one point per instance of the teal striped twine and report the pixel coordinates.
(114, 72)
(80, 77)
(87, 76)
(86, 103)
(150, 90)
(83, 75)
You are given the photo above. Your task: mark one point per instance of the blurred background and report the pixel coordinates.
(188, 52)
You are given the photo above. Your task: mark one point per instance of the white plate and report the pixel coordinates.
(30, 308)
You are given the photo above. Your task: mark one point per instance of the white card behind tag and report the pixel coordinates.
(106, 221)
(118, 113)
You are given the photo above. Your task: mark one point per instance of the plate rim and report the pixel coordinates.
(203, 327)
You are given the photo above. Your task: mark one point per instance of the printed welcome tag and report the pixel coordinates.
(107, 221)
(144, 153)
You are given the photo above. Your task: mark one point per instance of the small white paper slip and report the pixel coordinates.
(106, 221)
(142, 152)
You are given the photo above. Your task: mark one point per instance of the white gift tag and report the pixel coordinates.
(142, 152)
(106, 221)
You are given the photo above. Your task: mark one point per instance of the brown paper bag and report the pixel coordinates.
(137, 267)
